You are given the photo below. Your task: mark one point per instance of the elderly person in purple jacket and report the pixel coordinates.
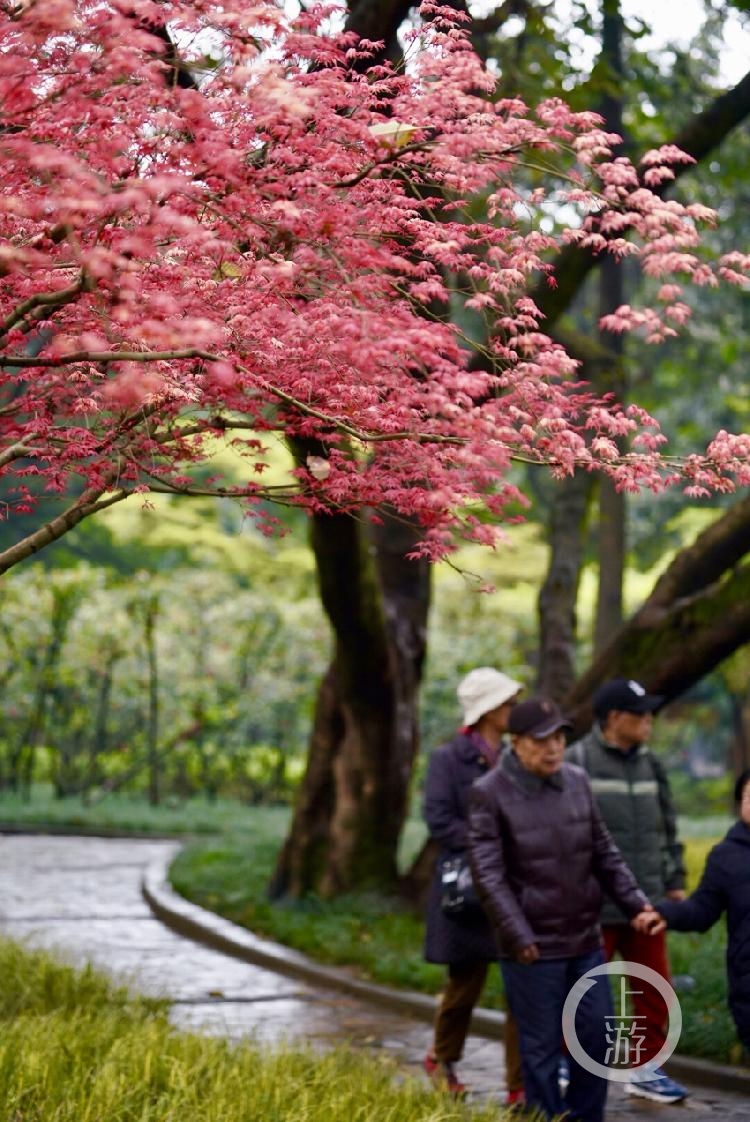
(464, 942)
(541, 858)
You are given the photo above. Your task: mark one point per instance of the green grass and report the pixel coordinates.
(381, 939)
(74, 1048)
(39, 985)
(131, 813)
(707, 1029)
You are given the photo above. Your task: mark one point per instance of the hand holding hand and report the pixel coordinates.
(527, 955)
(648, 921)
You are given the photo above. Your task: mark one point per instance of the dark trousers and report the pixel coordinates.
(649, 1008)
(460, 996)
(536, 995)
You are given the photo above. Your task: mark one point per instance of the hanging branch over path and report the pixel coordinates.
(699, 138)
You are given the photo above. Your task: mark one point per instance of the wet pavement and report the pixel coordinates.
(82, 897)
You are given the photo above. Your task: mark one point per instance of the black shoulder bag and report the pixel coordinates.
(457, 892)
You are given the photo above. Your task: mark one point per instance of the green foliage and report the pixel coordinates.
(701, 833)
(698, 797)
(226, 690)
(75, 1049)
(130, 813)
(240, 645)
(483, 613)
(238, 658)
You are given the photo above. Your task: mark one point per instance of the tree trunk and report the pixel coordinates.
(151, 610)
(697, 615)
(611, 564)
(612, 507)
(559, 593)
(353, 799)
(601, 365)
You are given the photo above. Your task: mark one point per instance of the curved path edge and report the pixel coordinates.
(206, 927)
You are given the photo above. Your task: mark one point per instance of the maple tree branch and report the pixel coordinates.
(336, 424)
(356, 433)
(17, 451)
(279, 494)
(43, 300)
(669, 463)
(386, 161)
(701, 136)
(392, 159)
(107, 356)
(715, 551)
(704, 132)
(676, 646)
(89, 503)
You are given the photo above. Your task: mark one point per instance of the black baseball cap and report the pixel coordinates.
(538, 717)
(625, 695)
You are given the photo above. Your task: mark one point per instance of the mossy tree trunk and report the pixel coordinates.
(696, 616)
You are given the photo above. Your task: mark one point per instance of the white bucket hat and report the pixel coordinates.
(484, 689)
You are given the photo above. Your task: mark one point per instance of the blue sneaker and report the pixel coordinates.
(660, 1089)
(563, 1075)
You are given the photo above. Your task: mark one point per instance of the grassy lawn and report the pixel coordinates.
(126, 813)
(74, 1048)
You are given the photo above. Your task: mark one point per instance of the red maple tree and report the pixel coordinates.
(274, 246)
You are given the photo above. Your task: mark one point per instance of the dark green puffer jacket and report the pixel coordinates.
(632, 793)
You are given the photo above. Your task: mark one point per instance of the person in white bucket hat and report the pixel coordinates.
(462, 939)
(484, 692)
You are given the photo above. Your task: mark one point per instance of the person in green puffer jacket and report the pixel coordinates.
(633, 796)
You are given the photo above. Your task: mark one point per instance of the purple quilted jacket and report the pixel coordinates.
(541, 858)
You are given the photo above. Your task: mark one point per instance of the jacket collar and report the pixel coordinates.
(528, 783)
(739, 833)
(466, 747)
(631, 753)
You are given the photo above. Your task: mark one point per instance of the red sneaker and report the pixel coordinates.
(443, 1075)
(516, 1098)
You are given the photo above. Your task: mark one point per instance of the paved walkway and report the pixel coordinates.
(82, 896)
